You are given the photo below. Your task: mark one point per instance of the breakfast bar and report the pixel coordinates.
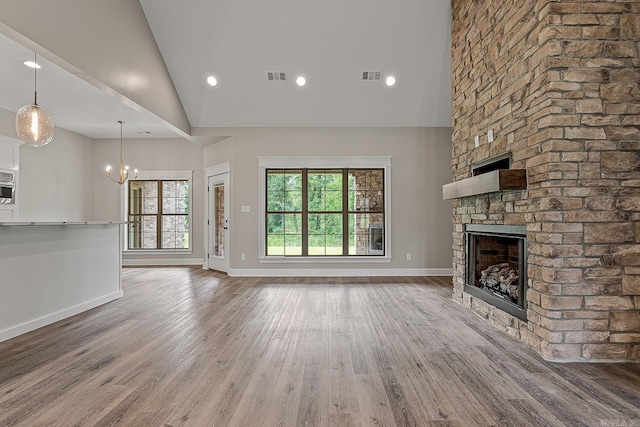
(53, 270)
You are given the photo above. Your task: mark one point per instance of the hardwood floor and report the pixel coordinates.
(187, 347)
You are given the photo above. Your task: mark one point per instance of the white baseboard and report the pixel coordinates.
(137, 262)
(335, 272)
(48, 319)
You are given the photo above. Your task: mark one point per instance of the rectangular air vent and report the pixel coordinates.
(276, 76)
(371, 76)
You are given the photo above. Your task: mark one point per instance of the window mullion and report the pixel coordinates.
(159, 217)
(345, 212)
(129, 216)
(305, 214)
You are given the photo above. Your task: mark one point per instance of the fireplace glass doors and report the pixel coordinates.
(497, 267)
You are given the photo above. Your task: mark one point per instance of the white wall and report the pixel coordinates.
(64, 181)
(56, 181)
(149, 155)
(420, 219)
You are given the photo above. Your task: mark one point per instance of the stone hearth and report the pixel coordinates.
(557, 84)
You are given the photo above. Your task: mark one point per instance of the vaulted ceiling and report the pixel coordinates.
(147, 63)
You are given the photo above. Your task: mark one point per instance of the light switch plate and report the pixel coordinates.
(490, 135)
(245, 209)
(477, 141)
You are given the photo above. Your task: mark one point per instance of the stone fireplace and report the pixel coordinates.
(555, 87)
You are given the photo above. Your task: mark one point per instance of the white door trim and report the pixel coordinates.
(220, 169)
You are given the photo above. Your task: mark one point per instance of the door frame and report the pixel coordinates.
(210, 172)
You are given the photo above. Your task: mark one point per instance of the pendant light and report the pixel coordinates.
(123, 174)
(34, 125)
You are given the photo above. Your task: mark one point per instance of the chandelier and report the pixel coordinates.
(34, 125)
(123, 174)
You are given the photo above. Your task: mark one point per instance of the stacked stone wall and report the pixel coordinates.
(558, 84)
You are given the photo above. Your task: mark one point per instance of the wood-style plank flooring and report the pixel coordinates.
(187, 347)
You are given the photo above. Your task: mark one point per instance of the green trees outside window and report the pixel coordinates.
(324, 212)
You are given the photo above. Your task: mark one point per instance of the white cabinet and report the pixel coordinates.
(9, 150)
(6, 214)
(9, 159)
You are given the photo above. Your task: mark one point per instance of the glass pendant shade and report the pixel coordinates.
(34, 125)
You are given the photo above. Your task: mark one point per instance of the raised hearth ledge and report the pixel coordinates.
(490, 182)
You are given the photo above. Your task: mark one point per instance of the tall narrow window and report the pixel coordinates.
(325, 217)
(158, 214)
(218, 213)
(366, 212)
(324, 212)
(284, 212)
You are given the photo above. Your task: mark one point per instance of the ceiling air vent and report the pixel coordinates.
(276, 76)
(371, 76)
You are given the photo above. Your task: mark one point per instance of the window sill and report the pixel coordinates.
(323, 260)
(157, 251)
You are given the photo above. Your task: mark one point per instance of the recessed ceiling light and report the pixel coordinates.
(301, 81)
(31, 64)
(390, 81)
(212, 81)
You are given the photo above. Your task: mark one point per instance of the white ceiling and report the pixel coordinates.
(74, 104)
(330, 42)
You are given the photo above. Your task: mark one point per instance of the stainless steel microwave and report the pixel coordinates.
(7, 186)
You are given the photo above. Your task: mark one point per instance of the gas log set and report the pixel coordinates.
(502, 280)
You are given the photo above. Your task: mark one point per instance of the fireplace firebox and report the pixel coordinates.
(497, 266)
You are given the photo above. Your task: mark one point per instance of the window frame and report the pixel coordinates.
(177, 175)
(359, 162)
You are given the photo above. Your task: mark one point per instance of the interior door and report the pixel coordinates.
(218, 222)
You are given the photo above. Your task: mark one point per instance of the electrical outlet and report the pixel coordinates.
(245, 208)
(477, 141)
(408, 256)
(243, 257)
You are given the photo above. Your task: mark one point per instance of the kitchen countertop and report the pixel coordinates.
(57, 223)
